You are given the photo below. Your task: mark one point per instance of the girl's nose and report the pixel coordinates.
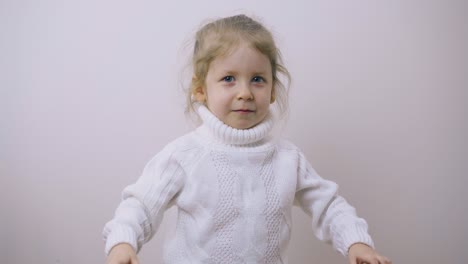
(244, 92)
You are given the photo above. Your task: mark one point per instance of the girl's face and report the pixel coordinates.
(238, 88)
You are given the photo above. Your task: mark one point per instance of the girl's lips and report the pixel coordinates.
(243, 111)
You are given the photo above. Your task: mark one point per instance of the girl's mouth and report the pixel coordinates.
(244, 111)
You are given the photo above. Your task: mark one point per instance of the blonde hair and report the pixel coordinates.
(219, 37)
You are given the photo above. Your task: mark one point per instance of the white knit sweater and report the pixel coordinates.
(234, 190)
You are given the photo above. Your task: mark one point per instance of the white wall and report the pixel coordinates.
(89, 91)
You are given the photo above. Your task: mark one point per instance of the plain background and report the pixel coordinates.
(90, 91)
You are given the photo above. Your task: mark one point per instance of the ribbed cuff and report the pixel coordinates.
(358, 234)
(121, 234)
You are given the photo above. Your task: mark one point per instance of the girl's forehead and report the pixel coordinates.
(242, 58)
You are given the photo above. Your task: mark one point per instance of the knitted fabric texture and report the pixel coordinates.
(234, 190)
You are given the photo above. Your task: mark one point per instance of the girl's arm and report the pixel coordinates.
(143, 204)
(333, 219)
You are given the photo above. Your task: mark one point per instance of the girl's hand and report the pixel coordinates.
(122, 254)
(363, 254)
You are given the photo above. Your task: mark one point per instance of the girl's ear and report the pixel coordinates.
(273, 96)
(198, 92)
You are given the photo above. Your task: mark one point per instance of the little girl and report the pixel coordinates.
(234, 184)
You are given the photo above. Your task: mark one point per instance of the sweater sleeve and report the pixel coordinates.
(139, 214)
(333, 219)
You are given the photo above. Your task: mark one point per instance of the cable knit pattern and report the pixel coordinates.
(226, 213)
(234, 190)
(272, 211)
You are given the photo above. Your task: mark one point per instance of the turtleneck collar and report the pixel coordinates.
(223, 133)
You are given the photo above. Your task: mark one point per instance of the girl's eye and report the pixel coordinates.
(258, 79)
(228, 79)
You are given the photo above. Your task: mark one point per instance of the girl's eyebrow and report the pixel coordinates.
(230, 72)
(259, 73)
